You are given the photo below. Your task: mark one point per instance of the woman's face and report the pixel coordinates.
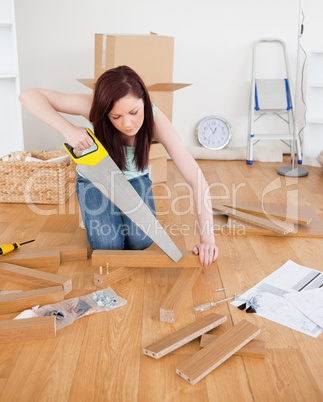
(127, 115)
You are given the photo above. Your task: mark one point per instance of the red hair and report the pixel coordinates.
(111, 86)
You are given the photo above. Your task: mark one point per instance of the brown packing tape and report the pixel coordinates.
(104, 51)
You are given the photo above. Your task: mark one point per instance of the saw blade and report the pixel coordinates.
(107, 177)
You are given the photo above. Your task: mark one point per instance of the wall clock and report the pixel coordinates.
(213, 132)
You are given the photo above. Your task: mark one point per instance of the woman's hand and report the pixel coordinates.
(208, 253)
(78, 138)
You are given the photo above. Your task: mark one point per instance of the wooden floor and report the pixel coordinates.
(100, 358)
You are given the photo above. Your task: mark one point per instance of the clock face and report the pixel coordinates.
(213, 132)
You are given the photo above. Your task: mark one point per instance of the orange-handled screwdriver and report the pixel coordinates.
(7, 248)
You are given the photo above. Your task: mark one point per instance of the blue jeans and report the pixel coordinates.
(107, 227)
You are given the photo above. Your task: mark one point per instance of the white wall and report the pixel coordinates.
(213, 49)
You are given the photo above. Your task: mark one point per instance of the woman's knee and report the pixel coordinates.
(104, 236)
(138, 242)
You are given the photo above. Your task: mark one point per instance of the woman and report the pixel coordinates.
(125, 122)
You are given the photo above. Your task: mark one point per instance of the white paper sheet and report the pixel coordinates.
(271, 297)
(310, 303)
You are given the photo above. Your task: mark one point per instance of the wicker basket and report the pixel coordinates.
(37, 182)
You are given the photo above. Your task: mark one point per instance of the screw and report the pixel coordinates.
(219, 290)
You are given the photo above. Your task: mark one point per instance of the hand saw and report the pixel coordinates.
(98, 167)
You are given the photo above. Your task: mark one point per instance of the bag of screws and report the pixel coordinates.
(63, 317)
(67, 311)
(107, 299)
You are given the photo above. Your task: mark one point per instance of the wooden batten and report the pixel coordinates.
(184, 335)
(105, 280)
(27, 329)
(255, 348)
(142, 259)
(73, 253)
(45, 257)
(313, 229)
(183, 284)
(33, 278)
(40, 258)
(276, 225)
(288, 213)
(19, 301)
(207, 359)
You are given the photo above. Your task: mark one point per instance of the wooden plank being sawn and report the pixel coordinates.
(255, 348)
(184, 335)
(27, 329)
(19, 301)
(142, 259)
(276, 225)
(207, 359)
(128, 262)
(32, 277)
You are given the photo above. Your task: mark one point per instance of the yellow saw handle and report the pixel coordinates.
(91, 158)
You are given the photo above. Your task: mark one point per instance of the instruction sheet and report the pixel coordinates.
(291, 296)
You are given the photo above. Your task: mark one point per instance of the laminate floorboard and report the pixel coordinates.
(100, 357)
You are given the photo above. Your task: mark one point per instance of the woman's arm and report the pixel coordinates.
(46, 105)
(165, 133)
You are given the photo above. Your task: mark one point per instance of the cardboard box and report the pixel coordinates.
(151, 56)
(157, 164)
(162, 96)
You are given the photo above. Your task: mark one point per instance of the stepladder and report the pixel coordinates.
(271, 97)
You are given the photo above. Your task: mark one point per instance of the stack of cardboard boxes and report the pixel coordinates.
(152, 57)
